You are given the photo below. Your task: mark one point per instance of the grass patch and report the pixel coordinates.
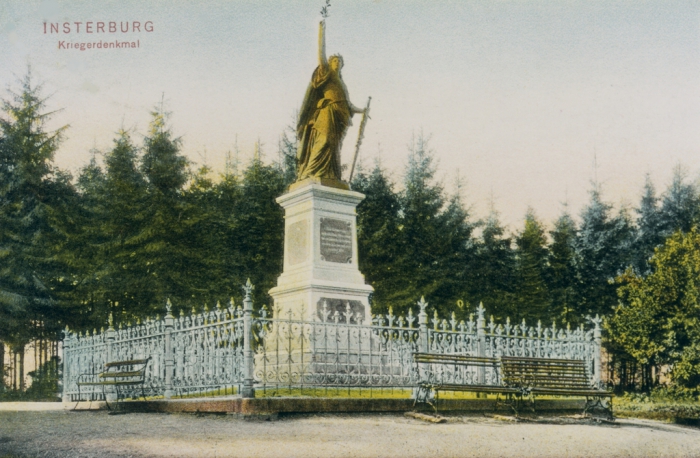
(332, 392)
(657, 407)
(342, 393)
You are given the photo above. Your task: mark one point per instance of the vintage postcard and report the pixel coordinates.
(270, 208)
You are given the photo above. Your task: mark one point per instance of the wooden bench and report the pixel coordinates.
(555, 377)
(448, 372)
(118, 374)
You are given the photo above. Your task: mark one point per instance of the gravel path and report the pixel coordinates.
(97, 434)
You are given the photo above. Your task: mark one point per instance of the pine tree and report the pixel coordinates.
(680, 206)
(495, 269)
(87, 296)
(287, 162)
(430, 231)
(532, 301)
(603, 251)
(650, 232)
(258, 239)
(221, 230)
(562, 278)
(377, 232)
(31, 190)
(166, 259)
(122, 220)
(459, 255)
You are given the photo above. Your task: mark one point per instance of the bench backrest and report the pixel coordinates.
(544, 373)
(134, 368)
(450, 369)
(454, 359)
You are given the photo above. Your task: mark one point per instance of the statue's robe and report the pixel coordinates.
(323, 121)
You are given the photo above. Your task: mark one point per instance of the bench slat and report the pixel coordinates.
(127, 363)
(121, 374)
(540, 360)
(428, 357)
(113, 382)
(547, 376)
(475, 388)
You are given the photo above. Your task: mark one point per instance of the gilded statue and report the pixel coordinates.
(324, 117)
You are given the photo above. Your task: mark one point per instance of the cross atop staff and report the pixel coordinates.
(324, 9)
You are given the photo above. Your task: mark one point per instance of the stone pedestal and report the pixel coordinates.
(320, 255)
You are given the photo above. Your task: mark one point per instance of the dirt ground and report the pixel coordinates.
(39, 432)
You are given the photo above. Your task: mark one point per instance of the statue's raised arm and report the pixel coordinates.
(322, 61)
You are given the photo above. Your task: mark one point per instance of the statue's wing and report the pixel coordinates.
(311, 98)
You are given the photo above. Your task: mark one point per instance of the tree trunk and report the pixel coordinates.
(21, 369)
(2, 366)
(14, 369)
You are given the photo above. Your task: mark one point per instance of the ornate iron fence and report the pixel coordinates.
(197, 354)
(293, 355)
(230, 351)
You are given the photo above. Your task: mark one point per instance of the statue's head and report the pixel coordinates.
(336, 62)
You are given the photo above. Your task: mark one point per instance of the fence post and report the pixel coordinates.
(169, 361)
(423, 325)
(110, 337)
(248, 390)
(481, 341)
(596, 350)
(66, 365)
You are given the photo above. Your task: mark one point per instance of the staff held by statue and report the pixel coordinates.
(360, 136)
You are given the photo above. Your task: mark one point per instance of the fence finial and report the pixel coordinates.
(480, 311)
(422, 304)
(596, 321)
(168, 308)
(248, 289)
(110, 321)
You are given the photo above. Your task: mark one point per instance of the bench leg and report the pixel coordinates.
(78, 401)
(104, 394)
(423, 395)
(531, 404)
(511, 401)
(597, 404)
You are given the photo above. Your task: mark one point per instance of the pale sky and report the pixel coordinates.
(519, 96)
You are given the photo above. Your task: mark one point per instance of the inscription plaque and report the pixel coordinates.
(341, 307)
(336, 240)
(298, 242)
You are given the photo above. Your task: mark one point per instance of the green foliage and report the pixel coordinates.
(602, 251)
(112, 214)
(259, 241)
(533, 301)
(675, 393)
(433, 248)
(164, 261)
(680, 205)
(377, 225)
(153, 230)
(45, 381)
(494, 269)
(658, 319)
(287, 162)
(650, 233)
(562, 270)
(34, 197)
